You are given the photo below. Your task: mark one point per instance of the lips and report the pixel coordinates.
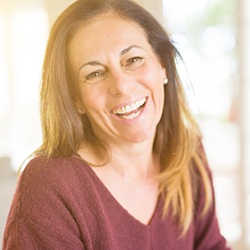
(130, 111)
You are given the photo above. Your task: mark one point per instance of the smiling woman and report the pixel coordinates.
(122, 164)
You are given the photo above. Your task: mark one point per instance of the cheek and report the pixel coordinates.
(155, 83)
(153, 79)
(87, 101)
(92, 100)
(152, 72)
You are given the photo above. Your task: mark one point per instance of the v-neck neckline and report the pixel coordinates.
(116, 203)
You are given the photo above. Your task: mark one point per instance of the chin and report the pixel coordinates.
(143, 136)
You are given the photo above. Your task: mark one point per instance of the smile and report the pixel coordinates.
(130, 111)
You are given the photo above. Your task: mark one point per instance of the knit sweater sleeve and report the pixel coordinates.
(39, 217)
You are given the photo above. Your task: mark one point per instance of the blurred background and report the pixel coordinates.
(213, 37)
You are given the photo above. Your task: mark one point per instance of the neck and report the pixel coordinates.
(134, 160)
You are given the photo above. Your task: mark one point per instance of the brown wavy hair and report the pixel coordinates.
(177, 137)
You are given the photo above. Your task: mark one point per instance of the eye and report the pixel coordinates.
(134, 60)
(134, 63)
(94, 77)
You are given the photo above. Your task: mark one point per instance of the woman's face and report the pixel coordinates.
(121, 79)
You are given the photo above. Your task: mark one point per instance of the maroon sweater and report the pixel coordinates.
(61, 204)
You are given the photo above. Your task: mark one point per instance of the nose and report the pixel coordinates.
(121, 82)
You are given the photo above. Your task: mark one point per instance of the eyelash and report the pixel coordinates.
(134, 60)
(94, 74)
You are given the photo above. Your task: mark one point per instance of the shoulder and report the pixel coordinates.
(54, 184)
(54, 176)
(41, 167)
(39, 163)
(49, 196)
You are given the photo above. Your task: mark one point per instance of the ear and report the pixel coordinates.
(164, 73)
(81, 111)
(79, 107)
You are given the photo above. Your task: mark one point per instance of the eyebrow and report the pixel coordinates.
(92, 63)
(123, 52)
(130, 48)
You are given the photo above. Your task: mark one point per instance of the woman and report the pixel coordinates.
(121, 165)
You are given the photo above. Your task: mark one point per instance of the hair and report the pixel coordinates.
(177, 141)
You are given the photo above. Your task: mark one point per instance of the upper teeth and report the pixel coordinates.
(130, 107)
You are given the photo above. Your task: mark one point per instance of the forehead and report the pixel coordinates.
(110, 20)
(107, 29)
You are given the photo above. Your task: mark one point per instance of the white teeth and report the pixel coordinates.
(129, 108)
(132, 116)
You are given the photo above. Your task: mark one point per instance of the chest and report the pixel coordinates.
(118, 230)
(138, 198)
